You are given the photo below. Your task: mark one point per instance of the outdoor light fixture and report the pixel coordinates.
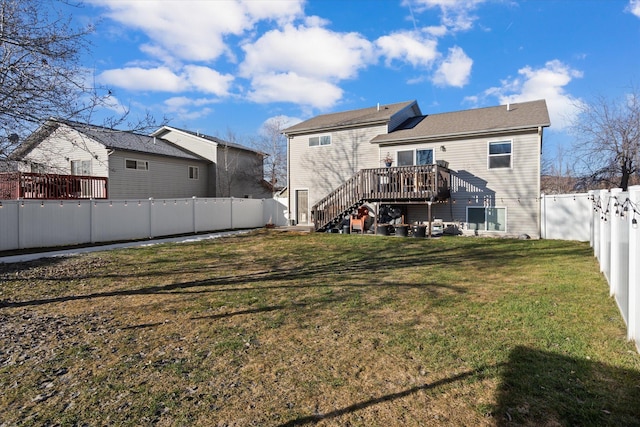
(634, 222)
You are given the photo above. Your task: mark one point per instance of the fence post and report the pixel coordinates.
(633, 217)
(193, 214)
(605, 237)
(151, 216)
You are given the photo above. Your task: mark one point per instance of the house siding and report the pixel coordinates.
(63, 146)
(321, 169)
(474, 184)
(240, 174)
(166, 178)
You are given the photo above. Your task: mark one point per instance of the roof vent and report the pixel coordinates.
(508, 107)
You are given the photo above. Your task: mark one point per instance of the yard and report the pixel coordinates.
(284, 329)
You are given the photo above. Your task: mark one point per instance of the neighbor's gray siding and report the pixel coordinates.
(322, 169)
(240, 174)
(166, 178)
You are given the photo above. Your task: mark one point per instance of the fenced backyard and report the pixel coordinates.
(281, 328)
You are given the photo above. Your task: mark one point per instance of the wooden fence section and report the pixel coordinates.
(22, 185)
(399, 184)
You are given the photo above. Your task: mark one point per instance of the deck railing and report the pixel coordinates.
(16, 185)
(399, 184)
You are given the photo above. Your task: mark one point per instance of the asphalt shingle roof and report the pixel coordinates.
(110, 138)
(480, 120)
(352, 118)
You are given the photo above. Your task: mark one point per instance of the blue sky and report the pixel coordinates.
(222, 65)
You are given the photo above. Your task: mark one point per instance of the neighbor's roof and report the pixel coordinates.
(214, 139)
(523, 115)
(110, 138)
(366, 116)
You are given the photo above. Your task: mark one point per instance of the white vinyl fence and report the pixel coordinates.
(47, 223)
(615, 238)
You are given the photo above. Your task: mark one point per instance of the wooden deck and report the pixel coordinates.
(406, 184)
(22, 185)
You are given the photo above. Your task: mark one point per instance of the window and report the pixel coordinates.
(81, 167)
(424, 157)
(500, 154)
(487, 219)
(136, 164)
(405, 158)
(37, 168)
(315, 141)
(193, 172)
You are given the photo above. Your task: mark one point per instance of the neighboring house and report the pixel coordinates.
(237, 170)
(476, 168)
(136, 165)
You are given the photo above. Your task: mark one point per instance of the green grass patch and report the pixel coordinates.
(286, 329)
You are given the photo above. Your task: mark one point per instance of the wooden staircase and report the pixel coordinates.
(405, 184)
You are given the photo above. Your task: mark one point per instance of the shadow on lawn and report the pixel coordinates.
(313, 419)
(543, 388)
(539, 388)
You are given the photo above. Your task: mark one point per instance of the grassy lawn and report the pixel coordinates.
(286, 329)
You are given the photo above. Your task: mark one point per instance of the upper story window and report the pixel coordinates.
(315, 141)
(422, 157)
(136, 164)
(499, 154)
(81, 167)
(193, 172)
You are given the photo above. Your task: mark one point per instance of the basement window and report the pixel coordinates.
(487, 218)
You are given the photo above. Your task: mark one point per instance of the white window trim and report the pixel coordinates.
(414, 159)
(196, 169)
(506, 218)
(138, 163)
(510, 141)
(319, 140)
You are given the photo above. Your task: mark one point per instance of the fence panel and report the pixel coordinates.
(53, 223)
(566, 217)
(174, 216)
(9, 225)
(619, 264)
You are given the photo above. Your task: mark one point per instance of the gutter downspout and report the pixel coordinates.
(290, 220)
(539, 196)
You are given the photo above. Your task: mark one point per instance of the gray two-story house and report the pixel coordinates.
(478, 169)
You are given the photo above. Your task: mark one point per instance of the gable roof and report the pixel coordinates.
(213, 139)
(110, 138)
(517, 116)
(354, 118)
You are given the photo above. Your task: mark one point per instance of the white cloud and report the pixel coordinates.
(634, 7)
(280, 121)
(208, 80)
(162, 79)
(136, 78)
(546, 83)
(454, 70)
(307, 51)
(408, 46)
(195, 30)
(290, 87)
(184, 108)
(456, 14)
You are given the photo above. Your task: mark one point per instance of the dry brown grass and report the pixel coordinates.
(281, 329)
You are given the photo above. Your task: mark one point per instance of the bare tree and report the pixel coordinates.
(274, 144)
(41, 75)
(608, 139)
(557, 174)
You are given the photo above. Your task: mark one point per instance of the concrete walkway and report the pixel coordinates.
(76, 251)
